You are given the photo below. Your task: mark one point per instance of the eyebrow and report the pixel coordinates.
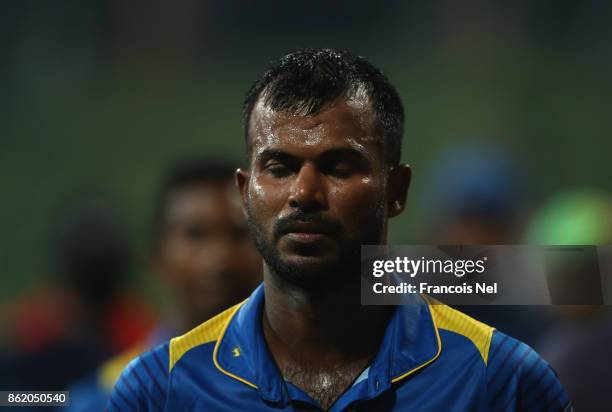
(268, 154)
(346, 151)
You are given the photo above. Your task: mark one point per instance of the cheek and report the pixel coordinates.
(361, 197)
(266, 200)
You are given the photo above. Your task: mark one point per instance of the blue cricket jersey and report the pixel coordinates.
(432, 358)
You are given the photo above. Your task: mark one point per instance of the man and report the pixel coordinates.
(202, 250)
(203, 255)
(323, 132)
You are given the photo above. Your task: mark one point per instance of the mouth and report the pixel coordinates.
(306, 232)
(305, 237)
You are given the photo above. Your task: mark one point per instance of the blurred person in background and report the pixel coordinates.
(477, 196)
(201, 253)
(81, 314)
(581, 339)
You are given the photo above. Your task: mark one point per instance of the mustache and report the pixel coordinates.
(288, 223)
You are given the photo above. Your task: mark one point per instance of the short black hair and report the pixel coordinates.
(183, 173)
(305, 81)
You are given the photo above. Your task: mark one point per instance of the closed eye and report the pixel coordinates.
(339, 169)
(278, 169)
(277, 163)
(344, 163)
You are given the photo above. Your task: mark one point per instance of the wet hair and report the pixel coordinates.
(304, 82)
(184, 173)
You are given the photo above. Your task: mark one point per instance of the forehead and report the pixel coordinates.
(343, 122)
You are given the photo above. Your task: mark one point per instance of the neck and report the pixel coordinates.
(320, 326)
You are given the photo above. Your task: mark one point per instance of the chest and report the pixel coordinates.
(326, 386)
(418, 393)
(445, 385)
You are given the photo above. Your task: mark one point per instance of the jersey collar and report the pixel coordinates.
(411, 342)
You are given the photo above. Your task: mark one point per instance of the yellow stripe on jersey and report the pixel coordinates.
(478, 333)
(208, 331)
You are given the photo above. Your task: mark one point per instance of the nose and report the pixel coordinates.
(308, 191)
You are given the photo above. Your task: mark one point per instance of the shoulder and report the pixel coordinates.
(142, 385)
(459, 331)
(206, 334)
(519, 379)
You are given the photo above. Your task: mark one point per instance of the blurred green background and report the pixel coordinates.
(101, 95)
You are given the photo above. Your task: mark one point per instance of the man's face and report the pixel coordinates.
(316, 189)
(205, 251)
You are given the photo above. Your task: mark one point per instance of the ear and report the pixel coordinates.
(397, 189)
(242, 178)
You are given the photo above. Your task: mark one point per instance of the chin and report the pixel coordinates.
(308, 264)
(309, 271)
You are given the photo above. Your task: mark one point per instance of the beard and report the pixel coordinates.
(313, 272)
